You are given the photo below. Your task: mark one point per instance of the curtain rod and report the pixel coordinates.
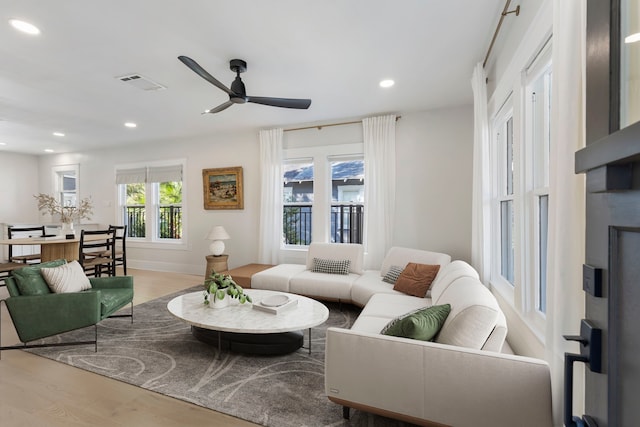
(504, 13)
(319, 127)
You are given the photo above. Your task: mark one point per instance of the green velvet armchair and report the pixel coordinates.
(37, 313)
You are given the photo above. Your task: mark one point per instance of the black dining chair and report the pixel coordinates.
(13, 232)
(120, 249)
(97, 252)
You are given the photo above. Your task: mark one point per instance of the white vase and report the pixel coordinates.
(67, 228)
(219, 303)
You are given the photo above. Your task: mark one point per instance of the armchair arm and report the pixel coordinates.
(112, 282)
(426, 383)
(40, 316)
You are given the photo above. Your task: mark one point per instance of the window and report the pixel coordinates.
(347, 200)
(537, 112)
(323, 195)
(151, 202)
(65, 180)
(298, 202)
(521, 141)
(505, 196)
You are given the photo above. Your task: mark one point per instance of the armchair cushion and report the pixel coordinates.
(29, 280)
(66, 278)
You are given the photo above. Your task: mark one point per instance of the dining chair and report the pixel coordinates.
(97, 252)
(6, 268)
(24, 232)
(120, 243)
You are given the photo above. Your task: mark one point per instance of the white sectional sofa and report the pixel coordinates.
(461, 379)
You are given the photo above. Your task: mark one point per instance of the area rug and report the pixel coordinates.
(158, 353)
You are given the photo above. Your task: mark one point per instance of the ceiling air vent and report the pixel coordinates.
(141, 82)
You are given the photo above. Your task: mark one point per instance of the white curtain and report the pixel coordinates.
(481, 197)
(380, 185)
(270, 196)
(565, 298)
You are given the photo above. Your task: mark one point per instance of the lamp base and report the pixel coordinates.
(216, 248)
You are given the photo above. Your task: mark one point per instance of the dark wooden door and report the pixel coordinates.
(611, 162)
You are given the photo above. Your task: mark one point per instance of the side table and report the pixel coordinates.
(217, 264)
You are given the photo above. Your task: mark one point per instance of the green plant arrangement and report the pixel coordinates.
(218, 285)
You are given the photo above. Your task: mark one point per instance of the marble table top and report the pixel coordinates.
(242, 318)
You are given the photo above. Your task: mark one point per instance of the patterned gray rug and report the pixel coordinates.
(158, 353)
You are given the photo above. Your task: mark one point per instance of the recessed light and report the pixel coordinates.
(632, 38)
(48, 150)
(25, 27)
(58, 134)
(387, 83)
(130, 125)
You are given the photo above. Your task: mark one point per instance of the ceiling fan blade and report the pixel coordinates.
(219, 108)
(203, 73)
(301, 104)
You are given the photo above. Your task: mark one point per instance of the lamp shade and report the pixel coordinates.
(217, 234)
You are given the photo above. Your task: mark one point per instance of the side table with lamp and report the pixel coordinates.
(217, 261)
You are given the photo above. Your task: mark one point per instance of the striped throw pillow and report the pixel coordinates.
(393, 274)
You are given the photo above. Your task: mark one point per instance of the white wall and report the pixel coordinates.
(18, 185)
(434, 151)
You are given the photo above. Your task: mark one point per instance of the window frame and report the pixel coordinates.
(58, 186)
(321, 156)
(152, 203)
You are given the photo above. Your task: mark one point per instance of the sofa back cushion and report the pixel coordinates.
(447, 275)
(29, 280)
(474, 313)
(402, 256)
(339, 252)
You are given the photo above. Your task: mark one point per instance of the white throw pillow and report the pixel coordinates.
(66, 278)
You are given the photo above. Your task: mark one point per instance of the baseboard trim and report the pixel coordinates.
(169, 267)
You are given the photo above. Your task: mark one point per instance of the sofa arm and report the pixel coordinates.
(425, 382)
(40, 316)
(112, 282)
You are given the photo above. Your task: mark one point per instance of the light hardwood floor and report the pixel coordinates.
(35, 391)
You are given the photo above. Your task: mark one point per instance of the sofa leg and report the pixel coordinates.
(345, 412)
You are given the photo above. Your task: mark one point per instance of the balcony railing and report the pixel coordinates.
(347, 224)
(169, 221)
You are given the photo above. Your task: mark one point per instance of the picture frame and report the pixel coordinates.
(222, 188)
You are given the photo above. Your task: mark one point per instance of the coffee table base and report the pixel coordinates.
(264, 344)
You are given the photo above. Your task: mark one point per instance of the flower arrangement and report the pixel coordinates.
(218, 285)
(67, 214)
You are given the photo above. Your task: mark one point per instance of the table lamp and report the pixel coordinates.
(217, 235)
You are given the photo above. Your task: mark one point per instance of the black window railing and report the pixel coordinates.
(296, 224)
(169, 221)
(347, 224)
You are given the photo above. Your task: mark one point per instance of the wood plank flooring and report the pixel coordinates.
(35, 391)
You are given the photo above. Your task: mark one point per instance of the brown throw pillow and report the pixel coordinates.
(416, 279)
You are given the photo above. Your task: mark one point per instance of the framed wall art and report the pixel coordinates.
(222, 188)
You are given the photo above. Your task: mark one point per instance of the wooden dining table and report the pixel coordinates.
(52, 248)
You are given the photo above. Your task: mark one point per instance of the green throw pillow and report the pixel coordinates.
(30, 281)
(422, 324)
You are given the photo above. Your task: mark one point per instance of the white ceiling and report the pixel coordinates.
(332, 51)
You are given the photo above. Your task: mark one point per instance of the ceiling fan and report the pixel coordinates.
(237, 93)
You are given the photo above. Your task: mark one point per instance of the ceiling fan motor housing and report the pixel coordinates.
(238, 65)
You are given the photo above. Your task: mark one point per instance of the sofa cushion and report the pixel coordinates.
(331, 266)
(30, 281)
(422, 324)
(368, 285)
(447, 275)
(474, 313)
(330, 286)
(276, 278)
(415, 279)
(402, 256)
(337, 251)
(393, 274)
(66, 278)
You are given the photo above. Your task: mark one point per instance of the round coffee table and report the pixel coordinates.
(242, 328)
